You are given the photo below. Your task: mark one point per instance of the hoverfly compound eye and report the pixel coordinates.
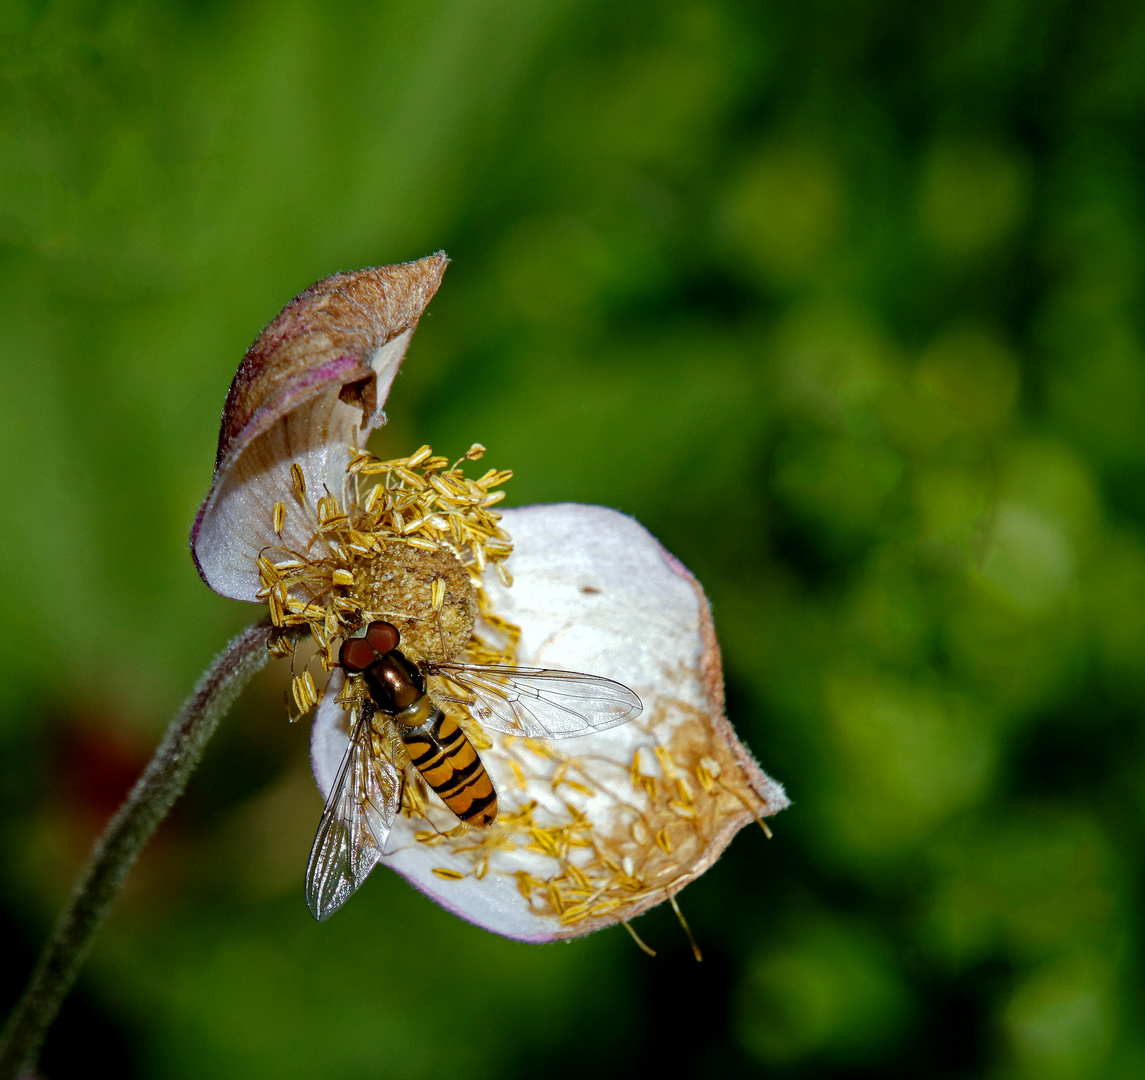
(383, 636)
(357, 654)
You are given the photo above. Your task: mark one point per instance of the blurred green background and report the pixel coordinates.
(843, 300)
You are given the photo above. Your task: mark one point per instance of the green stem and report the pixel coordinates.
(154, 793)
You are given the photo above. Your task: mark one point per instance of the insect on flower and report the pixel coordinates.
(399, 722)
(612, 790)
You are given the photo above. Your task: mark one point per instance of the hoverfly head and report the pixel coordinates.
(383, 637)
(356, 654)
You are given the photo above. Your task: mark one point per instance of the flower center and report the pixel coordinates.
(427, 594)
(407, 542)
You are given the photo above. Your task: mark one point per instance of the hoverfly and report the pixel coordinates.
(400, 715)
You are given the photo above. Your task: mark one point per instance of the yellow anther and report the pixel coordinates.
(280, 647)
(604, 908)
(666, 763)
(422, 544)
(299, 480)
(305, 694)
(544, 840)
(574, 915)
(414, 461)
(410, 477)
(710, 766)
(578, 875)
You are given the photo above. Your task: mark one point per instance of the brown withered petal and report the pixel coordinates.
(310, 387)
(595, 829)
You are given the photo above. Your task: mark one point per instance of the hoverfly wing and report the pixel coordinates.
(540, 703)
(355, 823)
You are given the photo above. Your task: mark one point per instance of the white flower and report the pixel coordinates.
(590, 830)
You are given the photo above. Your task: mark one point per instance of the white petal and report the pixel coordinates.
(309, 391)
(236, 522)
(330, 734)
(593, 592)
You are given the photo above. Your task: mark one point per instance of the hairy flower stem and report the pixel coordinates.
(154, 793)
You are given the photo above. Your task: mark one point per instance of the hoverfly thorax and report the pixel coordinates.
(395, 683)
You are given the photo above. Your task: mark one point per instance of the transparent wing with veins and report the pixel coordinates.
(539, 703)
(355, 822)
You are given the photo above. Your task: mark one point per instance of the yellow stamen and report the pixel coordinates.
(305, 694)
(422, 511)
(636, 937)
(687, 929)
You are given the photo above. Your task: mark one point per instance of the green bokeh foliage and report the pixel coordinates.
(841, 300)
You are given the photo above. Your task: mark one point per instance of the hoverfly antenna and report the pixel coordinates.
(356, 654)
(383, 637)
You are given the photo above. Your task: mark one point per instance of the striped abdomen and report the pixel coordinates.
(443, 754)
